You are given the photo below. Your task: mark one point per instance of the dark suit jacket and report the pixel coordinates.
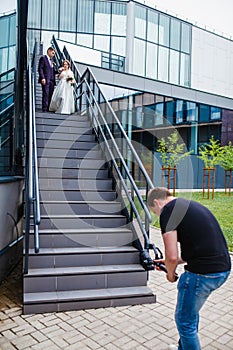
(45, 70)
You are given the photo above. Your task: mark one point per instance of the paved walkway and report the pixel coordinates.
(147, 327)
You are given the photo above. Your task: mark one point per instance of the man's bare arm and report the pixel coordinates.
(171, 254)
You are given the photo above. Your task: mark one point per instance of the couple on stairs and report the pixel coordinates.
(61, 99)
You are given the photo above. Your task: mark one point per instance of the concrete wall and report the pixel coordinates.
(11, 223)
(212, 69)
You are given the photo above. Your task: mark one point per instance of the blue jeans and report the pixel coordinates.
(193, 291)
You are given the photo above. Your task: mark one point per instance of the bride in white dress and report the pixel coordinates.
(62, 101)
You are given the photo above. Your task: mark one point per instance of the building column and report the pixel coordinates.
(193, 138)
(21, 58)
(130, 37)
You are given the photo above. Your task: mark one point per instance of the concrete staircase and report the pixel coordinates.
(87, 256)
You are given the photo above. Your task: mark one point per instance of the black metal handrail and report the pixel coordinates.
(108, 129)
(7, 73)
(114, 141)
(32, 201)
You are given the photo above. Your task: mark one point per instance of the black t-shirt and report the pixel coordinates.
(203, 245)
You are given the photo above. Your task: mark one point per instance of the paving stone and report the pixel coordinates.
(40, 337)
(6, 345)
(59, 341)
(9, 335)
(77, 339)
(24, 341)
(48, 344)
(141, 327)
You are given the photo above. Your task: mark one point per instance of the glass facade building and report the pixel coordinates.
(7, 42)
(139, 40)
(95, 24)
(7, 88)
(153, 116)
(153, 44)
(162, 46)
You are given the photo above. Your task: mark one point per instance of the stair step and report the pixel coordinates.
(77, 300)
(59, 136)
(82, 250)
(81, 142)
(85, 295)
(84, 278)
(117, 230)
(82, 129)
(82, 256)
(63, 122)
(75, 184)
(80, 202)
(69, 154)
(47, 116)
(82, 221)
(83, 216)
(91, 237)
(72, 163)
(77, 195)
(68, 173)
(80, 207)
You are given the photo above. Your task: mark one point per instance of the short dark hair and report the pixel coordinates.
(50, 48)
(157, 193)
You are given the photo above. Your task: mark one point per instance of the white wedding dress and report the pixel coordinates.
(63, 97)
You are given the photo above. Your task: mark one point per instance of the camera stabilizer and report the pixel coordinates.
(148, 263)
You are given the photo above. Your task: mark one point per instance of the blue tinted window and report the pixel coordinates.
(50, 14)
(163, 30)
(68, 15)
(204, 113)
(185, 37)
(118, 19)
(170, 111)
(34, 14)
(175, 34)
(140, 22)
(163, 63)
(174, 67)
(7, 42)
(4, 30)
(191, 111)
(152, 26)
(215, 113)
(179, 111)
(184, 69)
(85, 16)
(159, 113)
(12, 36)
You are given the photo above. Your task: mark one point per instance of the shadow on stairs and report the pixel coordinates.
(87, 256)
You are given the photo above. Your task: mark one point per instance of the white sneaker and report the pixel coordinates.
(172, 347)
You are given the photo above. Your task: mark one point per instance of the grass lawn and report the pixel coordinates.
(221, 206)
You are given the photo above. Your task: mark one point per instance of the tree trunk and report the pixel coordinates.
(228, 181)
(169, 178)
(208, 181)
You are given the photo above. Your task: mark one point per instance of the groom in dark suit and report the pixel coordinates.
(47, 71)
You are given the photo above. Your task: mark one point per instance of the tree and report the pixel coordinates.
(172, 152)
(211, 153)
(226, 162)
(226, 159)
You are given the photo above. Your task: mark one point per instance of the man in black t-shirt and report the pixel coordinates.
(203, 250)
